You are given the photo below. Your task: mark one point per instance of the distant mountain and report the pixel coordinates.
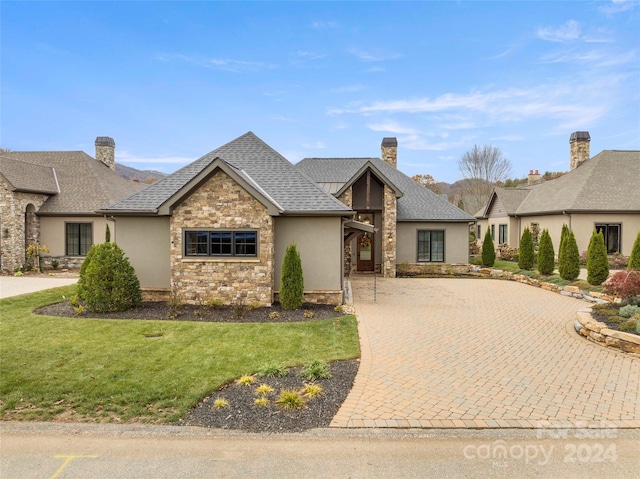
(143, 176)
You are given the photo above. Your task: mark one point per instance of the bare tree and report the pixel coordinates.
(482, 168)
(427, 181)
(4, 150)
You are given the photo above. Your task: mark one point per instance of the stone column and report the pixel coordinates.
(347, 199)
(388, 233)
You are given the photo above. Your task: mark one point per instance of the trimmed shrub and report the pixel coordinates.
(526, 254)
(571, 258)
(292, 281)
(634, 260)
(597, 260)
(628, 311)
(624, 285)
(107, 281)
(107, 235)
(563, 239)
(546, 260)
(488, 250)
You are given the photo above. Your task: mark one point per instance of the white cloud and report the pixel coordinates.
(373, 57)
(619, 6)
(318, 145)
(310, 55)
(347, 89)
(568, 32)
(229, 65)
(320, 25)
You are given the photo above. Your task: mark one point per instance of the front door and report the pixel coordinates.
(365, 250)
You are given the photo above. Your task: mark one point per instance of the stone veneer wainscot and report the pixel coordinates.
(221, 203)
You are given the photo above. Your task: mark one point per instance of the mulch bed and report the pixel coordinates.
(242, 413)
(612, 321)
(189, 312)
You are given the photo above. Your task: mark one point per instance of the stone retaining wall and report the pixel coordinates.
(599, 333)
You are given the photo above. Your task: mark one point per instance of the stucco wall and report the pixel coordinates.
(456, 240)
(319, 241)
(146, 243)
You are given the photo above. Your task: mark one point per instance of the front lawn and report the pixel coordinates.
(83, 369)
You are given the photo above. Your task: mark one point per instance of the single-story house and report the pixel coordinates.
(219, 227)
(599, 193)
(51, 198)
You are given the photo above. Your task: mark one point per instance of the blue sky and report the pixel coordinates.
(171, 81)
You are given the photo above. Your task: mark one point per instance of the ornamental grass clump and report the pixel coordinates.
(597, 260)
(546, 260)
(290, 399)
(315, 370)
(526, 255)
(107, 281)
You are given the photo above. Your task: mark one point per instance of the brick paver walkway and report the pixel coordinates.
(468, 353)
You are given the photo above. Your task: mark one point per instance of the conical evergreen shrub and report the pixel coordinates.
(526, 255)
(634, 259)
(546, 259)
(571, 258)
(488, 251)
(107, 281)
(563, 238)
(291, 281)
(597, 260)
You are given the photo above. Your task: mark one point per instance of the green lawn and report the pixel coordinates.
(120, 370)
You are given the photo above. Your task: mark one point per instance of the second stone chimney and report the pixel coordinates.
(390, 151)
(579, 148)
(105, 151)
(533, 177)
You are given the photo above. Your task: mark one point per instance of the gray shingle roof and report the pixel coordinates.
(290, 189)
(85, 184)
(28, 177)
(511, 199)
(417, 203)
(607, 182)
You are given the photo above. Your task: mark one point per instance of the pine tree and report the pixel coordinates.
(563, 239)
(571, 258)
(634, 260)
(488, 251)
(546, 260)
(292, 281)
(597, 260)
(526, 255)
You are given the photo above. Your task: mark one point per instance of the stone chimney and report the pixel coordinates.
(579, 148)
(390, 151)
(105, 151)
(533, 177)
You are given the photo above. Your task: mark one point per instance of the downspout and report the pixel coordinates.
(569, 215)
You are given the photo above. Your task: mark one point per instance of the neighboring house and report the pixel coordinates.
(597, 193)
(51, 197)
(413, 224)
(219, 227)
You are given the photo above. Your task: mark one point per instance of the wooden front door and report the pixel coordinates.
(365, 250)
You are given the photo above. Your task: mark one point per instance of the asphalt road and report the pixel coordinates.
(69, 451)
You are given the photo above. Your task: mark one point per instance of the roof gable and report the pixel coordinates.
(84, 184)
(29, 178)
(256, 165)
(417, 203)
(606, 182)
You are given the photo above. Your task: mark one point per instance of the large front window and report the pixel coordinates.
(430, 245)
(79, 238)
(611, 233)
(220, 243)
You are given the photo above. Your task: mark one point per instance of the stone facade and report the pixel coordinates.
(19, 225)
(221, 203)
(389, 234)
(347, 199)
(105, 151)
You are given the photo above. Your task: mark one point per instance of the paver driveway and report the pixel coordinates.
(482, 353)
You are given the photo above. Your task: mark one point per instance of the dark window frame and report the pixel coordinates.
(82, 246)
(493, 232)
(502, 234)
(438, 253)
(479, 232)
(220, 243)
(604, 227)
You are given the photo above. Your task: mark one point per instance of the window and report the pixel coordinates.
(220, 243)
(493, 232)
(611, 233)
(479, 235)
(79, 238)
(431, 245)
(502, 234)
